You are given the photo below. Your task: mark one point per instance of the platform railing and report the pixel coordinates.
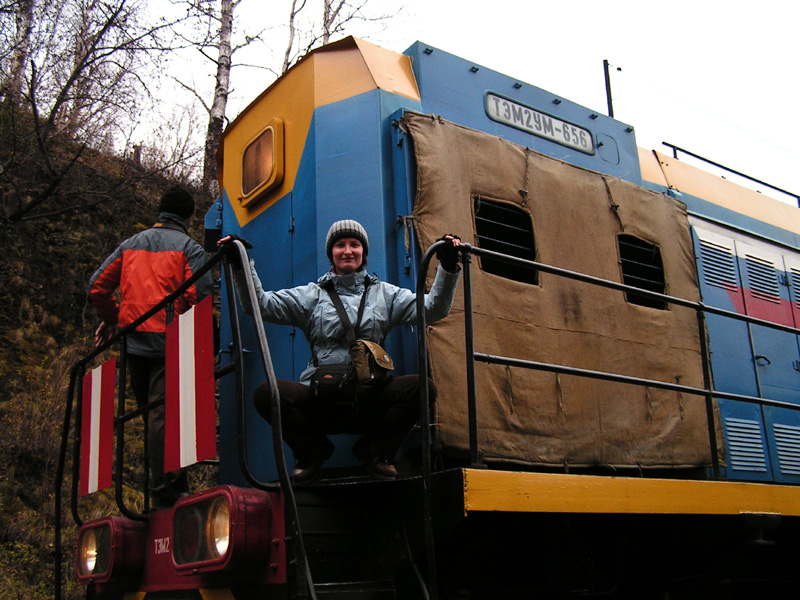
(123, 417)
(677, 149)
(708, 392)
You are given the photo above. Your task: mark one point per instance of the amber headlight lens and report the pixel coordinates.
(110, 549)
(202, 530)
(218, 526)
(94, 551)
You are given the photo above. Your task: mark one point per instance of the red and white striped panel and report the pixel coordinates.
(97, 427)
(190, 415)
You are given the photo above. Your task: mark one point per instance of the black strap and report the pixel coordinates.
(349, 329)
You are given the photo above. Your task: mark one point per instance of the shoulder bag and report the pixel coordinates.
(370, 363)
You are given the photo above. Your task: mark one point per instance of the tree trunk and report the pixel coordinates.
(19, 59)
(326, 22)
(330, 13)
(217, 116)
(287, 57)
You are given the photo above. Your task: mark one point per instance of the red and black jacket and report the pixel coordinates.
(147, 267)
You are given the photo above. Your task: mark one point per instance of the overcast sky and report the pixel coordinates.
(717, 78)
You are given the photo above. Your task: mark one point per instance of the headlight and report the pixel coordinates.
(94, 551)
(202, 530)
(219, 526)
(109, 549)
(225, 528)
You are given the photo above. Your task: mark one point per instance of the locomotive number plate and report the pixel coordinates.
(538, 123)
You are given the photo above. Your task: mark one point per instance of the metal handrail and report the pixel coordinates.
(305, 582)
(76, 383)
(76, 378)
(676, 149)
(425, 423)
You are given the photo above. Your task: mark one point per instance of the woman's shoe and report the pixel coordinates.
(306, 471)
(381, 468)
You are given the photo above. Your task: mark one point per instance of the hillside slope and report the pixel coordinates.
(48, 255)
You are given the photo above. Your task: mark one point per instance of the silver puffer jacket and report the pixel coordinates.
(310, 308)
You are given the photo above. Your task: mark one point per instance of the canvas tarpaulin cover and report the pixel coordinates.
(540, 418)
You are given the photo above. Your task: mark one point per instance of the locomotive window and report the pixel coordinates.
(262, 162)
(506, 229)
(642, 268)
(257, 163)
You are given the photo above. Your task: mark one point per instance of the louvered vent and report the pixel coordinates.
(505, 229)
(794, 276)
(641, 267)
(719, 266)
(763, 279)
(745, 445)
(787, 440)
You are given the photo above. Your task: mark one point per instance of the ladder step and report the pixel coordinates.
(356, 590)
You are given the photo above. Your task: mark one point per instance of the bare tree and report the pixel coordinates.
(330, 14)
(287, 56)
(173, 151)
(215, 42)
(23, 19)
(216, 116)
(82, 64)
(337, 16)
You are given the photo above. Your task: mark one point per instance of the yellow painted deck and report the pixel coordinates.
(509, 491)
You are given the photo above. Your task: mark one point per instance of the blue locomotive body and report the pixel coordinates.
(560, 488)
(356, 162)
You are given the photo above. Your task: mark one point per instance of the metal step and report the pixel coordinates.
(356, 590)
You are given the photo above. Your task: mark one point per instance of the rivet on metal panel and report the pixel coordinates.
(428, 50)
(517, 85)
(593, 116)
(474, 69)
(628, 129)
(557, 101)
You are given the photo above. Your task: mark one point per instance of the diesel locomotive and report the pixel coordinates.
(618, 381)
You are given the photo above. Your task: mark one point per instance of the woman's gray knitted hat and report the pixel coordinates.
(343, 229)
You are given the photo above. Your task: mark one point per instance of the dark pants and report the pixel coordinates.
(148, 380)
(384, 416)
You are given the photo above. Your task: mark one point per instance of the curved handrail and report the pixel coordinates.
(425, 424)
(285, 485)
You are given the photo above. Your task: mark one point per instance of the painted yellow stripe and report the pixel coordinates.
(506, 491)
(217, 594)
(665, 170)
